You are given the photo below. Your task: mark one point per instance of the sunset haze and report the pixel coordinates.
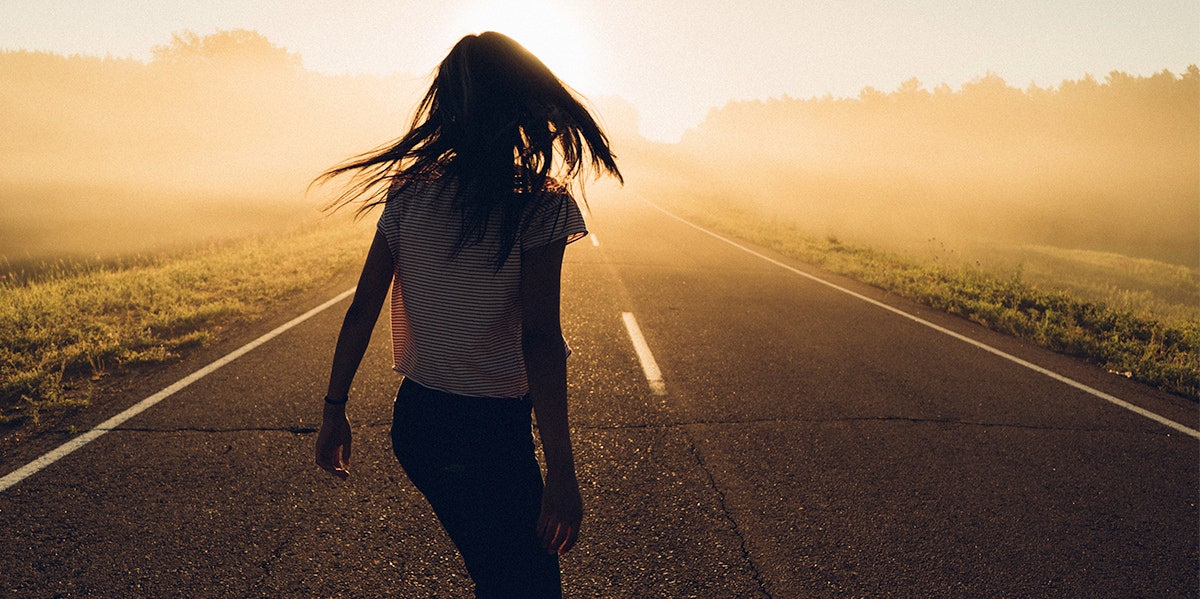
(672, 60)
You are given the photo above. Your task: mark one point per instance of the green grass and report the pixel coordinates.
(71, 327)
(1143, 326)
(1148, 288)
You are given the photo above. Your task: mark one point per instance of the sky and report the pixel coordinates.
(674, 60)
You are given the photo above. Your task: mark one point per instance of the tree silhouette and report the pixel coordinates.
(225, 49)
(1092, 163)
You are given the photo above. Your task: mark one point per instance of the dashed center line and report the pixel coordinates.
(649, 366)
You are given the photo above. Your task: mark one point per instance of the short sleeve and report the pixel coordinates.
(389, 224)
(380, 225)
(556, 217)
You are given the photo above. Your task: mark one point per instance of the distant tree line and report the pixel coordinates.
(1160, 111)
(1112, 164)
(227, 112)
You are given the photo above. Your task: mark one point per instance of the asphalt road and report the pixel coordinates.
(808, 444)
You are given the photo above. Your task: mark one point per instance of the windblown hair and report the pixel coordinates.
(493, 120)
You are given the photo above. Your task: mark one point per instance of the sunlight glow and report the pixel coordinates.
(551, 31)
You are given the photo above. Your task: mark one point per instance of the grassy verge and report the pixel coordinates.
(1158, 345)
(63, 332)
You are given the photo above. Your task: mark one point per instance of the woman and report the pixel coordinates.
(471, 242)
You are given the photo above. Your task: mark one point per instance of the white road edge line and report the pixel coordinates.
(649, 366)
(1007, 356)
(61, 451)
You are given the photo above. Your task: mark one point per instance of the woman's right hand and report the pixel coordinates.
(333, 441)
(562, 512)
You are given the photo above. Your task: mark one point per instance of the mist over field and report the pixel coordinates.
(1108, 165)
(219, 136)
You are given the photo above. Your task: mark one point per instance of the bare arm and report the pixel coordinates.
(546, 366)
(333, 440)
(373, 286)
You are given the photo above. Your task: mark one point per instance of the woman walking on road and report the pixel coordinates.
(475, 221)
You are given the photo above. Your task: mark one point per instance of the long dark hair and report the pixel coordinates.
(492, 120)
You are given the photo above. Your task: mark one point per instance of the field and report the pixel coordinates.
(70, 329)
(1134, 317)
(57, 228)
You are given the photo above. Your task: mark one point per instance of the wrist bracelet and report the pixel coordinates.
(337, 403)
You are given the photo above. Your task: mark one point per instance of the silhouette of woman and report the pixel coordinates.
(476, 217)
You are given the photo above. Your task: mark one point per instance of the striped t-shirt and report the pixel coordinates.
(456, 320)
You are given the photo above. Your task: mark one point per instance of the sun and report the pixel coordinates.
(549, 30)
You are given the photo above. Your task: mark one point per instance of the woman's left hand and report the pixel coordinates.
(562, 513)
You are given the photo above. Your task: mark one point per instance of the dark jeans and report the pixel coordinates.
(473, 458)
